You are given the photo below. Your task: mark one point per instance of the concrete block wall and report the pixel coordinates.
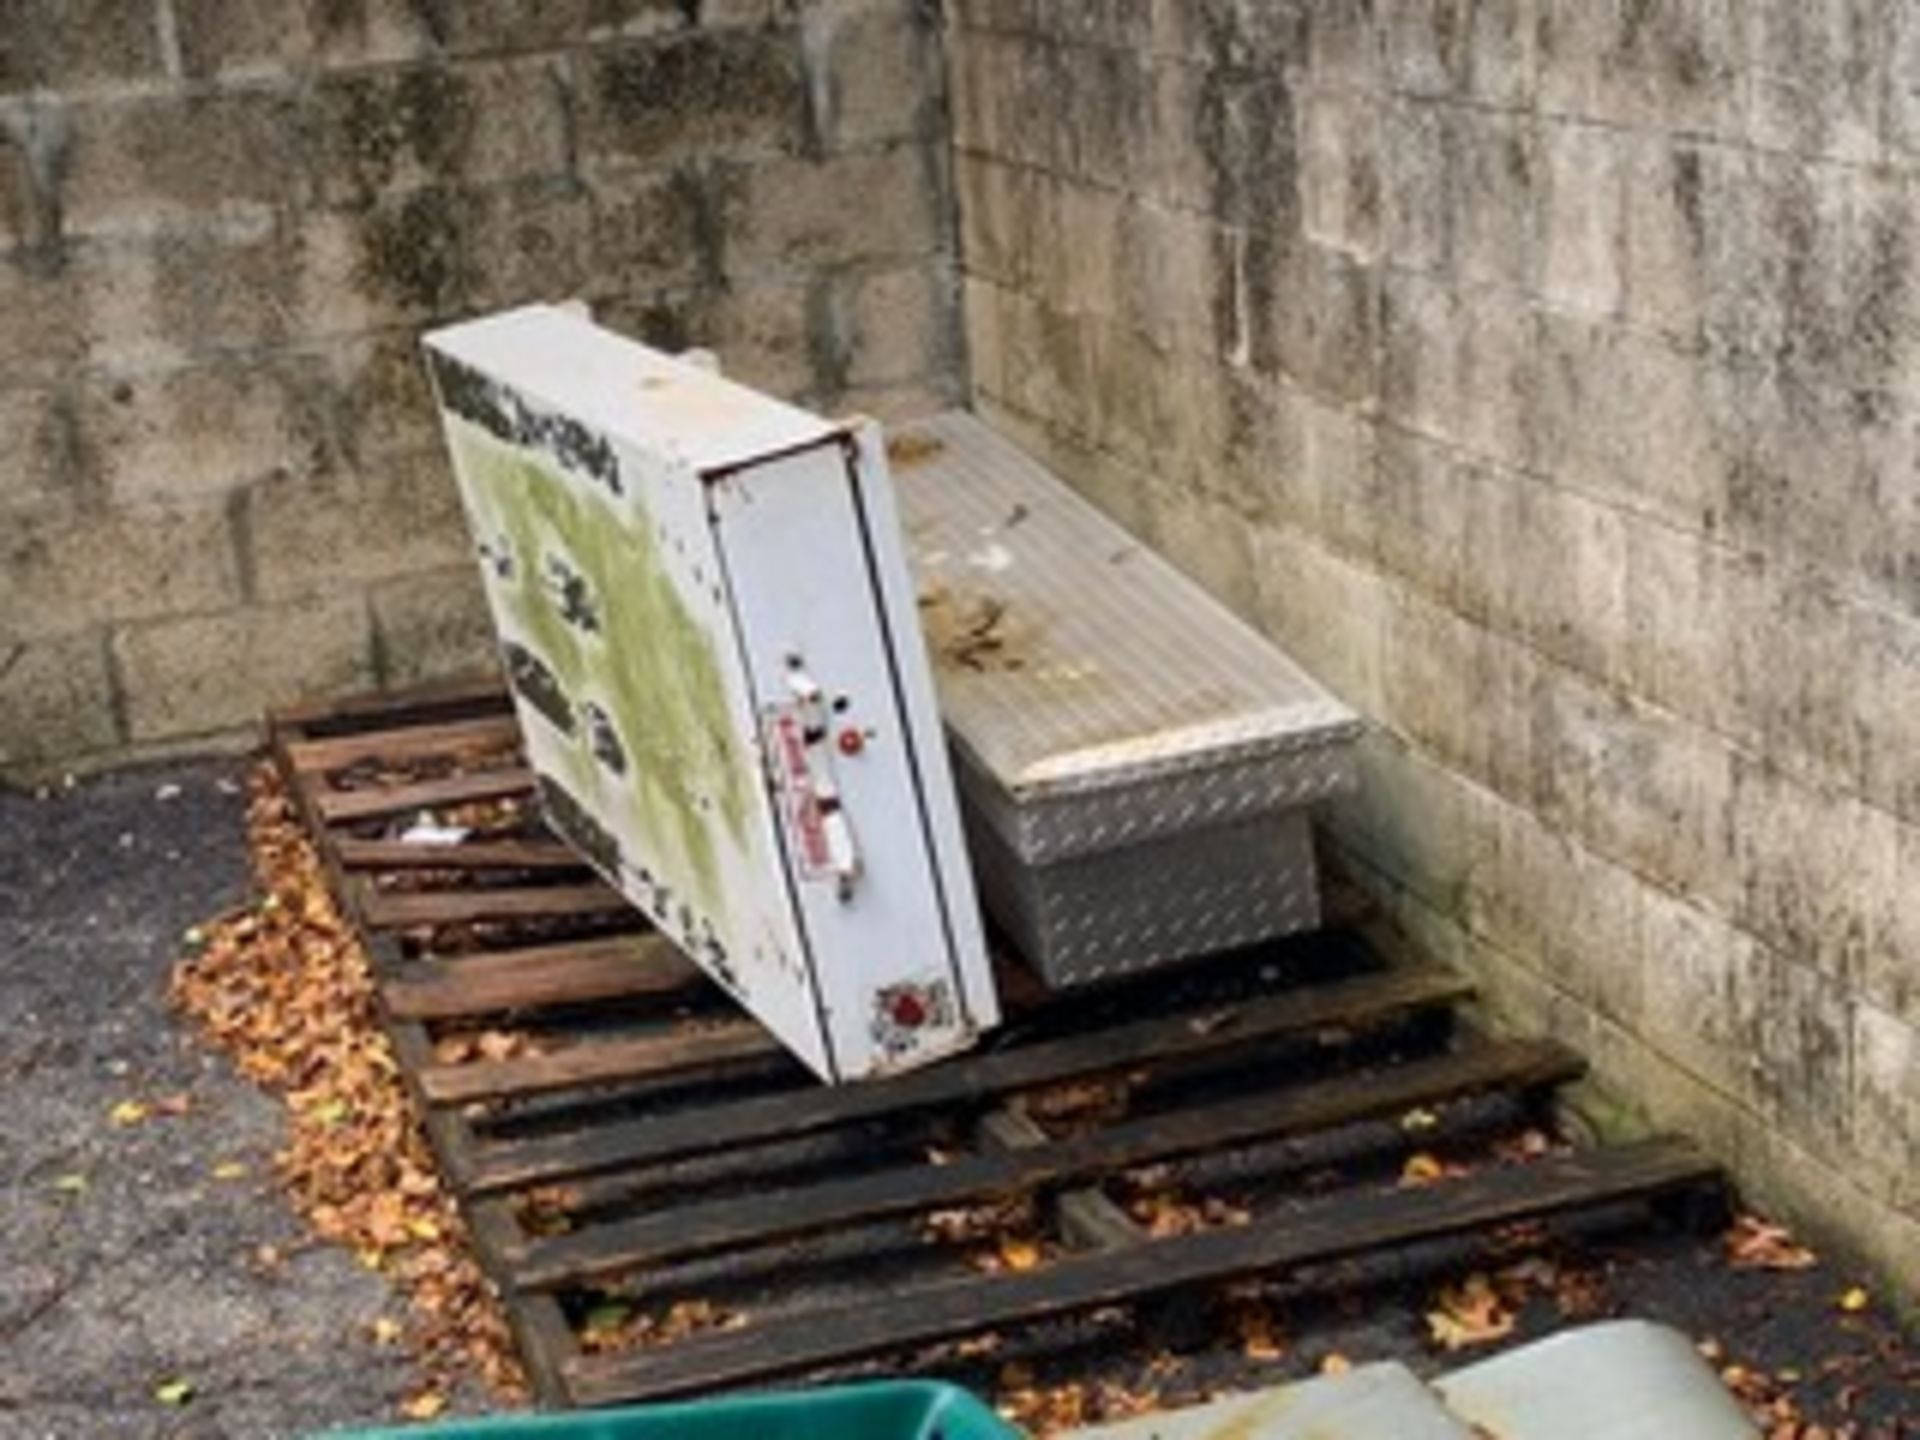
(1543, 374)
(224, 222)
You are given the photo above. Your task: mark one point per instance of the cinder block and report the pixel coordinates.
(201, 431)
(902, 325)
(1462, 368)
(1636, 786)
(1119, 24)
(1883, 649)
(980, 306)
(313, 536)
(37, 438)
(1128, 392)
(1344, 47)
(1182, 157)
(56, 700)
(1683, 237)
(533, 240)
(386, 405)
(1814, 866)
(1012, 15)
(1206, 540)
(1418, 823)
(1583, 218)
(1410, 516)
(180, 157)
(365, 134)
(1891, 978)
(75, 45)
(1330, 615)
(1106, 105)
(1168, 286)
(1809, 63)
(697, 94)
(405, 261)
(43, 336)
(1634, 420)
(1797, 1026)
(1340, 172)
(1420, 177)
(1427, 46)
(1496, 200)
(1078, 266)
(206, 674)
(1797, 698)
(68, 568)
(239, 39)
(1001, 235)
(1502, 51)
(134, 301)
(213, 292)
(1679, 66)
(431, 625)
(795, 214)
(1695, 966)
(1688, 601)
(1050, 360)
(1886, 1102)
(1315, 315)
(881, 71)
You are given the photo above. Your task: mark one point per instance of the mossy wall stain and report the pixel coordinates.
(647, 661)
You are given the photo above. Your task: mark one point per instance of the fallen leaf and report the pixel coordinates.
(1855, 1300)
(424, 1406)
(1755, 1244)
(386, 1330)
(129, 1112)
(173, 1392)
(1334, 1363)
(1470, 1313)
(1019, 1254)
(1419, 1120)
(1422, 1169)
(230, 1170)
(73, 1184)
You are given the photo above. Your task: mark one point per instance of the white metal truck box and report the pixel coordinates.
(1135, 761)
(707, 621)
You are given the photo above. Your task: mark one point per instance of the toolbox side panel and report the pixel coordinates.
(900, 608)
(844, 764)
(616, 634)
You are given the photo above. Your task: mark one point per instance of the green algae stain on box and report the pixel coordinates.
(610, 653)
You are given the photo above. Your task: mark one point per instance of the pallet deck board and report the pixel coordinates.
(378, 802)
(404, 909)
(975, 1078)
(623, 968)
(532, 855)
(1324, 1231)
(443, 738)
(791, 1214)
(595, 1062)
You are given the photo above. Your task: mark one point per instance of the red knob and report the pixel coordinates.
(909, 1011)
(852, 742)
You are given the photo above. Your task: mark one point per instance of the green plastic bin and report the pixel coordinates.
(886, 1410)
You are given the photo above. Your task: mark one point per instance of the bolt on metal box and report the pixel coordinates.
(708, 625)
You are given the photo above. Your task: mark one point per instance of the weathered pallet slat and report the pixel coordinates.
(376, 802)
(441, 739)
(1325, 1231)
(541, 855)
(404, 909)
(625, 967)
(791, 1214)
(596, 1062)
(1143, 1043)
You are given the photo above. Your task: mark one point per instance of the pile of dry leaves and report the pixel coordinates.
(285, 988)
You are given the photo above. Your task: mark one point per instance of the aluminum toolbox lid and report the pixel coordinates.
(704, 421)
(1072, 661)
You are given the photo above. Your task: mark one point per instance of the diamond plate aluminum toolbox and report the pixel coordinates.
(1135, 762)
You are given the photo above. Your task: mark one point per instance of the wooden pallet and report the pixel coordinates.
(696, 1159)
